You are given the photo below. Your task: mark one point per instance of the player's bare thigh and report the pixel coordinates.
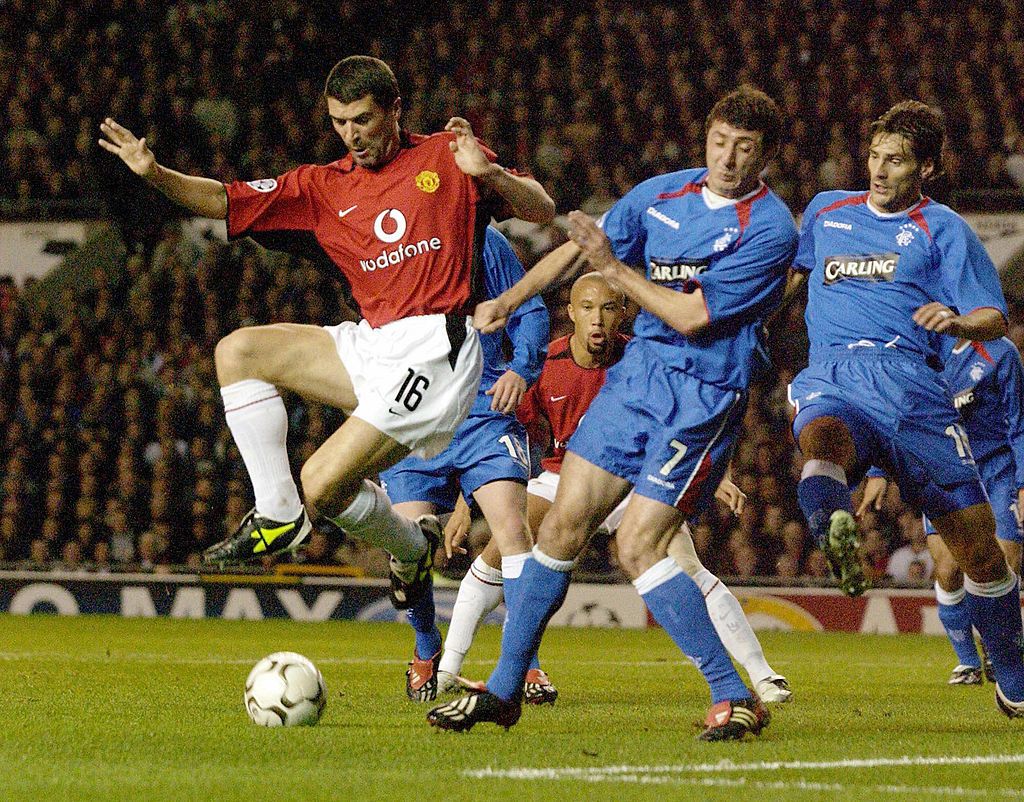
(333, 475)
(414, 509)
(647, 528)
(294, 356)
(586, 494)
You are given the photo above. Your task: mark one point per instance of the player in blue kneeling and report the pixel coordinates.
(987, 384)
(892, 278)
(715, 243)
(487, 460)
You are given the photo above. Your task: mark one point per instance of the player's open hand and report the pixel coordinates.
(490, 316)
(592, 241)
(456, 529)
(936, 317)
(874, 494)
(468, 154)
(124, 144)
(507, 392)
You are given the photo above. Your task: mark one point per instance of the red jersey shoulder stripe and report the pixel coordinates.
(839, 204)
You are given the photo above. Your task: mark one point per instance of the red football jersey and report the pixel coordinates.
(562, 395)
(406, 237)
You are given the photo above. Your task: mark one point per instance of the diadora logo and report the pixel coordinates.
(906, 234)
(676, 271)
(837, 224)
(729, 234)
(875, 267)
(397, 221)
(664, 218)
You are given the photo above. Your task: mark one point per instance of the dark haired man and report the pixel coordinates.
(894, 278)
(715, 244)
(403, 218)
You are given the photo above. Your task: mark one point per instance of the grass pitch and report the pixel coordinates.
(99, 708)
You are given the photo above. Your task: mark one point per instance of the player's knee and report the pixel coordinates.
(236, 352)
(827, 438)
(948, 575)
(636, 552)
(560, 537)
(322, 488)
(983, 560)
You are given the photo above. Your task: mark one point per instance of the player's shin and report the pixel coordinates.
(677, 605)
(371, 518)
(732, 626)
(258, 421)
(422, 616)
(822, 490)
(955, 615)
(512, 569)
(480, 592)
(995, 613)
(541, 592)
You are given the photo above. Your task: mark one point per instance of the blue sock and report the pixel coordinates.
(535, 597)
(997, 619)
(511, 587)
(956, 620)
(819, 496)
(678, 606)
(423, 620)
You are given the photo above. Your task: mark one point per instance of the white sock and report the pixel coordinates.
(479, 594)
(258, 421)
(371, 518)
(732, 626)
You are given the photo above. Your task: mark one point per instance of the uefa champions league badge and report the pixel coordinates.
(263, 184)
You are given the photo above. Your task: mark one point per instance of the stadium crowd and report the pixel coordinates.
(114, 451)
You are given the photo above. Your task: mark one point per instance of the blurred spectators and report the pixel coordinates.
(591, 99)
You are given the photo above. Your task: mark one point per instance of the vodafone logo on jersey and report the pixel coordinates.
(395, 221)
(389, 227)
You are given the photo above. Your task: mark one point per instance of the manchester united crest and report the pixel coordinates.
(428, 181)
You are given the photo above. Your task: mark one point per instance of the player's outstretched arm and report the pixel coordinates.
(525, 196)
(202, 196)
(686, 312)
(980, 325)
(492, 315)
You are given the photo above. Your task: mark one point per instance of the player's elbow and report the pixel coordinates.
(691, 322)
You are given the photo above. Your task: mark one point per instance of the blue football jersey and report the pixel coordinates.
(869, 273)
(737, 254)
(987, 383)
(528, 327)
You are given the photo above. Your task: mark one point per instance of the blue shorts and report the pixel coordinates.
(997, 474)
(487, 447)
(901, 418)
(664, 431)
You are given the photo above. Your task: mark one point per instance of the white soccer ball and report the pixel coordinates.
(285, 689)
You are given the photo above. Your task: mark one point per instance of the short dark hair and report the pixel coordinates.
(920, 125)
(356, 77)
(752, 110)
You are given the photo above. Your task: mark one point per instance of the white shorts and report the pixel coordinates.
(546, 485)
(404, 380)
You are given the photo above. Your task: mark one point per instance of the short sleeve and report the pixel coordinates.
(624, 228)
(271, 204)
(804, 259)
(751, 278)
(968, 273)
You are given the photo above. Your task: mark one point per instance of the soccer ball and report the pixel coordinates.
(285, 689)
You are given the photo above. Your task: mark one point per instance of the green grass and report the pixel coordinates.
(111, 709)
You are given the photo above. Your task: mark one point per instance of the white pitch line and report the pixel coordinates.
(611, 772)
(906, 791)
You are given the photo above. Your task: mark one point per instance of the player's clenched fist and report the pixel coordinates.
(131, 150)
